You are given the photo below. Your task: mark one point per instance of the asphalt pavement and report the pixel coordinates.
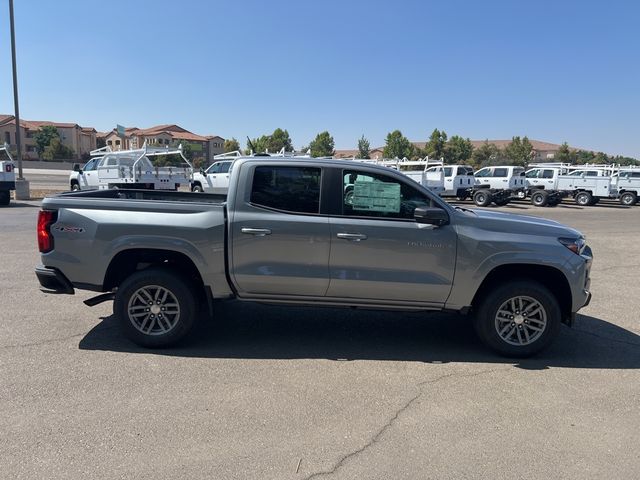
(265, 392)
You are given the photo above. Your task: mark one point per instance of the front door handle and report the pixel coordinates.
(352, 237)
(258, 232)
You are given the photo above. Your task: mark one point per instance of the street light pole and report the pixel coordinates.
(22, 186)
(15, 89)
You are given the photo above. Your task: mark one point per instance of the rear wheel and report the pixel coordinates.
(583, 199)
(482, 198)
(540, 198)
(518, 319)
(155, 308)
(5, 198)
(628, 198)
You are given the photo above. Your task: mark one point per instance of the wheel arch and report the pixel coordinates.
(548, 276)
(129, 261)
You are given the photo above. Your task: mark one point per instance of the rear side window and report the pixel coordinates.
(447, 171)
(547, 174)
(500, 172)
(291, 189)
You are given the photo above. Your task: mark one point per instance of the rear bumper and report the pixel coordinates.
(53, 280)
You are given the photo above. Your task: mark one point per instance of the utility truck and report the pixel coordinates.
(458, 180)
(7, 175)
(132, 169)
(546, 186)
(497, 184)
(627, 184)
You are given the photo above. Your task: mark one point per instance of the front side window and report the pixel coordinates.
(483, 172)
(291, 189)
(215, 168)
(90, 165)
(377, 195)
(533, 173)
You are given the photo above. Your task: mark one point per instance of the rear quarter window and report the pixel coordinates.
(289, 189)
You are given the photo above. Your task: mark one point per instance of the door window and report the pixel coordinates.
(484, 172)
(501, 172)
(290, 189)
(377, 195)
(547, 174)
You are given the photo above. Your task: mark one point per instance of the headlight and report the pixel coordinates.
(576, 245)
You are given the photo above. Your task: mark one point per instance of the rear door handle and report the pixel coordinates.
(352, 237)
(258, 232)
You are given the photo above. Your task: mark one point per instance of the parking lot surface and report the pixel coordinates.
(265, 392)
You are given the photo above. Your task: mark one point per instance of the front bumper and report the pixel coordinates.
(53, 280)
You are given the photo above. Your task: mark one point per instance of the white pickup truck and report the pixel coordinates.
(131, 169)
(7, 176)
(627, 183)
(497, 184)
(214, 179)
(586, 186)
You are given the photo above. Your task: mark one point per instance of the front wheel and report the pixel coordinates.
(628, 198)
(518, 319)
(197, 188)
(155, 308)
(75, 187)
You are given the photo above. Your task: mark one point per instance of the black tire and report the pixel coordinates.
(5, 198)
(493, 326)
(197, 188)
(628, 198)
(462, 198)
(583, 199)
(594, 201)
(75, 187)
(482, 198)
(176, 314)
(540, 198)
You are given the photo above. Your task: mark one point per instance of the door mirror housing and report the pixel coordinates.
(431, 216)
(76, 167)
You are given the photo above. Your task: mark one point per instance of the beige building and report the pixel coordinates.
(166, 135)
(80, 139)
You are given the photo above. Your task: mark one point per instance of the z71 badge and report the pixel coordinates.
(68, 229)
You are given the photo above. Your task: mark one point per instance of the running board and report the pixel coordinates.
(92, 302)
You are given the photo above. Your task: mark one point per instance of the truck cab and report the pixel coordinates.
(501, 178)
(85, 177)
(214, 179)
(7, 176)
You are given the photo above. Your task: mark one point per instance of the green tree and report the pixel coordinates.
(519, 151)
(458, 150)
(57, 151)
(258, 145)
(485, 154)
(231, 145)
(436, 145)
(397, 146)
(44, 136)
(364, 149)
(322, 145)
(278, 140)
(565, 154)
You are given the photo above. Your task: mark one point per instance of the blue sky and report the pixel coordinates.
(553, 70)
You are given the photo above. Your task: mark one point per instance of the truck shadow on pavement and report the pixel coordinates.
(250, 331)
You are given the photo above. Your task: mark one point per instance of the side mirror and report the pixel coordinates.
(76, 167)
(431, 216)
(202, 170)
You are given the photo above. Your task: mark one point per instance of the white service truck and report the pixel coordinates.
(627, 183)
(214, 179)
(497, 184)
(586, 186)
(7, 175)
(132, 169)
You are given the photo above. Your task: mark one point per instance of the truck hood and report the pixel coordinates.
(526, 224)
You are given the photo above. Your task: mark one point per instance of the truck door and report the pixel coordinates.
(279, 240)
(378, 251)
(89, 176)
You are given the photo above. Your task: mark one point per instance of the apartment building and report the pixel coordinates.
(79, 139)
(165, 135)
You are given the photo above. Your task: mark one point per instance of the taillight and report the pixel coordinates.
(46, 218)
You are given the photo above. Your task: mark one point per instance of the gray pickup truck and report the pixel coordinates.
(312, 232)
